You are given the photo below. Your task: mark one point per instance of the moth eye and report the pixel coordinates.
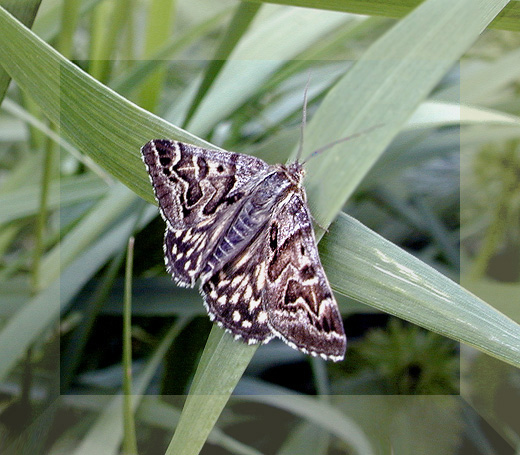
(220, 168)
(165, 160)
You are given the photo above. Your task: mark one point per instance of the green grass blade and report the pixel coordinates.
(23, 202)
(158, 28)
(506, 20)
(69, 22)
(116, 128)
(221, 366)
(26, 326)
(129, 436)
(270, 42)
(398, 70)
(128, 81)
(25, 11)
(114, 205)
(106, 434)
(243, 16)
(320, 413)
(372, 270)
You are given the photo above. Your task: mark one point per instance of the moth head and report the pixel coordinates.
(295, 172)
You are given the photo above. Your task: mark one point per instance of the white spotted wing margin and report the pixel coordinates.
(243, 228)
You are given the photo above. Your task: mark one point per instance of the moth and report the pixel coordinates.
(243, 228)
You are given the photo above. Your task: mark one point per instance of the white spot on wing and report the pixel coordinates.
(262, 317)
(237, 280)
(242, 261)
(260, 283)
(236, 316)
(311, 281)
(253, 304)
(223, 283)
(248, 292)
(188, 235)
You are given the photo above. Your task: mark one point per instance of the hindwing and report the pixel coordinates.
(233, 296)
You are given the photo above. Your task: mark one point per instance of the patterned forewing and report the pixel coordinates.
(233, 296)
(195, 185)
(298, 299)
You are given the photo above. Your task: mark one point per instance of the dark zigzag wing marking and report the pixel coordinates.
(233, 296)
(194, 185)
(298, 299)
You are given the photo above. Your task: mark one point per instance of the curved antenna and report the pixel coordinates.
(304, 118)
(344, 139)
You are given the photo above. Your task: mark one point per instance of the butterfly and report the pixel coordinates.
(243, 228)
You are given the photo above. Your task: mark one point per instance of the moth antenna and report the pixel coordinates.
(304, 117)
(338, 141)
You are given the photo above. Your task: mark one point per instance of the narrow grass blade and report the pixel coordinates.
(106, 434)
(25, 12)
(243, 16)
(399, 71)
(368, 268)
(129, 437)
(506, 20)
(221, 366)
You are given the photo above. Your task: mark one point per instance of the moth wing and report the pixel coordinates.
(298, 300)
(185, 253)
(194, 185)
(233, 295)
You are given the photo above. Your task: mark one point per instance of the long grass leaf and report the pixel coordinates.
(506, 20)
(367, 268)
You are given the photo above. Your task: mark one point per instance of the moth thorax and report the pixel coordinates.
(296, 172)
